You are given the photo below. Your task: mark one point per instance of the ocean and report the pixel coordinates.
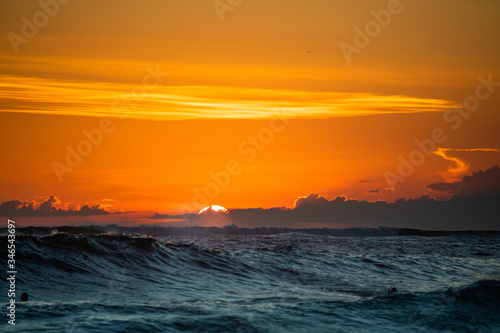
(93, 279)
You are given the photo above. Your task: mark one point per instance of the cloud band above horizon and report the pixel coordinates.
(160, 102)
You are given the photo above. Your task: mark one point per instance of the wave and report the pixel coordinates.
(292, 273)
(85, 253)
(195, 230)
(235, 230)
(485, 293)
(471, 308)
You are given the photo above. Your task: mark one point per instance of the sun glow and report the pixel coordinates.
(215, 208)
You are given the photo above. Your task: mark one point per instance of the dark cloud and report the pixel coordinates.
(314, 200)
(374, 191)
(17, 208)
(474, 206)
(481, 183)
(366, 181)
(158, 216)
(449, 188)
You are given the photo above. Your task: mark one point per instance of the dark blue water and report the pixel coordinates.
(289, 282)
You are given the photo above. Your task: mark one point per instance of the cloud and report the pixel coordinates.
(366, 181)
(17, 208)
(460, 168)
(480, 184)
(158, 216)
(474, 206)
(313, 199)
(50, 96)
(449, 188)
(374, 191)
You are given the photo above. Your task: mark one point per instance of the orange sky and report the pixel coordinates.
(271, 71)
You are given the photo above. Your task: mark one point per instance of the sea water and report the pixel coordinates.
(278, 282)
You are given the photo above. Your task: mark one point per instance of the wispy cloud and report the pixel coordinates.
(44, 96)
(459, 167)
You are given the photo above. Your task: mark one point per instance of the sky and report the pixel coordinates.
(170, 106)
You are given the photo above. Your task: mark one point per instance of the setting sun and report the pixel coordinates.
(215, 208)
